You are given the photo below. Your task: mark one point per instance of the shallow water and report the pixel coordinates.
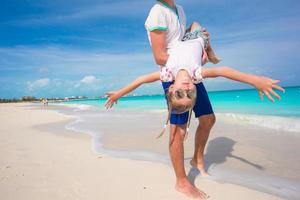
(234, 101)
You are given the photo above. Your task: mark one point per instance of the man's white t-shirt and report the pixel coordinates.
(163, 17)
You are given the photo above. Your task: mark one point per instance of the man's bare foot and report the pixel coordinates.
(190, 191)
(200, 167)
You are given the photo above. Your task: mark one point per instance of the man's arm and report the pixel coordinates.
(113, 96)
(264, 85)
(159, 47)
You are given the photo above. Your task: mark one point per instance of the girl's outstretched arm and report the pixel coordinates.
(113, 96)
(264, 85)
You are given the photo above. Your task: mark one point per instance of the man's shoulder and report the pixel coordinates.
(156, 8)
(159, 8)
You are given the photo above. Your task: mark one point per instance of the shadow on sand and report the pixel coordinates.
(217, 152)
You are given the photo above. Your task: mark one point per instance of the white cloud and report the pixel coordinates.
(43, 70)
(37, 84)
(72, 61)
(89, 80)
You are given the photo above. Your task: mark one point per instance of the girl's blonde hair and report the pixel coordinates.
(179, 109)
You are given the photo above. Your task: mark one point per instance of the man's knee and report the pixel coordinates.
(207, 121)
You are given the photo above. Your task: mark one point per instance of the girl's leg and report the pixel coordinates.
(211, 56)
(194, 26)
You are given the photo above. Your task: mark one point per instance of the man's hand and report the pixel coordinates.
(112, 99)
(266, 86)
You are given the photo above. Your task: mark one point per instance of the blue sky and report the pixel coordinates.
(62, 48)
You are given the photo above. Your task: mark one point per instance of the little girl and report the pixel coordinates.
(184, 70)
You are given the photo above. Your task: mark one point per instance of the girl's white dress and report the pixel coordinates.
(185, 55)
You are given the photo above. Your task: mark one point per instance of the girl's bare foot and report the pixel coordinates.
(190, 191)
(200, 167)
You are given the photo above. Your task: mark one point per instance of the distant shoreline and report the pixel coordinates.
(127, 96)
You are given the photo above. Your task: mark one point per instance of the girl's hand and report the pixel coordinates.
(112, 99)
(265, 86)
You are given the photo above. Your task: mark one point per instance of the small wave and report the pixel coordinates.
(72, 125)
(272, 122)
(76, 107)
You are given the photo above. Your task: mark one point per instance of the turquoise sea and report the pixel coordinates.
(233, 101)
(239, 105)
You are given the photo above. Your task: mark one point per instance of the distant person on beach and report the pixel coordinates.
(45, 102)
(181, 76)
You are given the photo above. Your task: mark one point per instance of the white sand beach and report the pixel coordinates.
(55, 163)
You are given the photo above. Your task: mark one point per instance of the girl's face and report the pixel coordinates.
(183, 91)
(183, 97)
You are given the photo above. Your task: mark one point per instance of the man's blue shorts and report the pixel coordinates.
(202, 105)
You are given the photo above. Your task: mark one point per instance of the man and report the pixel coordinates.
(166, 25)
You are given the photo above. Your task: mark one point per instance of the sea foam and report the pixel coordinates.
(76, 107)
(289, 124)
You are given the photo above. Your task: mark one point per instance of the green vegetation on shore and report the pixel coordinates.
(23, 99)
(34, 99)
